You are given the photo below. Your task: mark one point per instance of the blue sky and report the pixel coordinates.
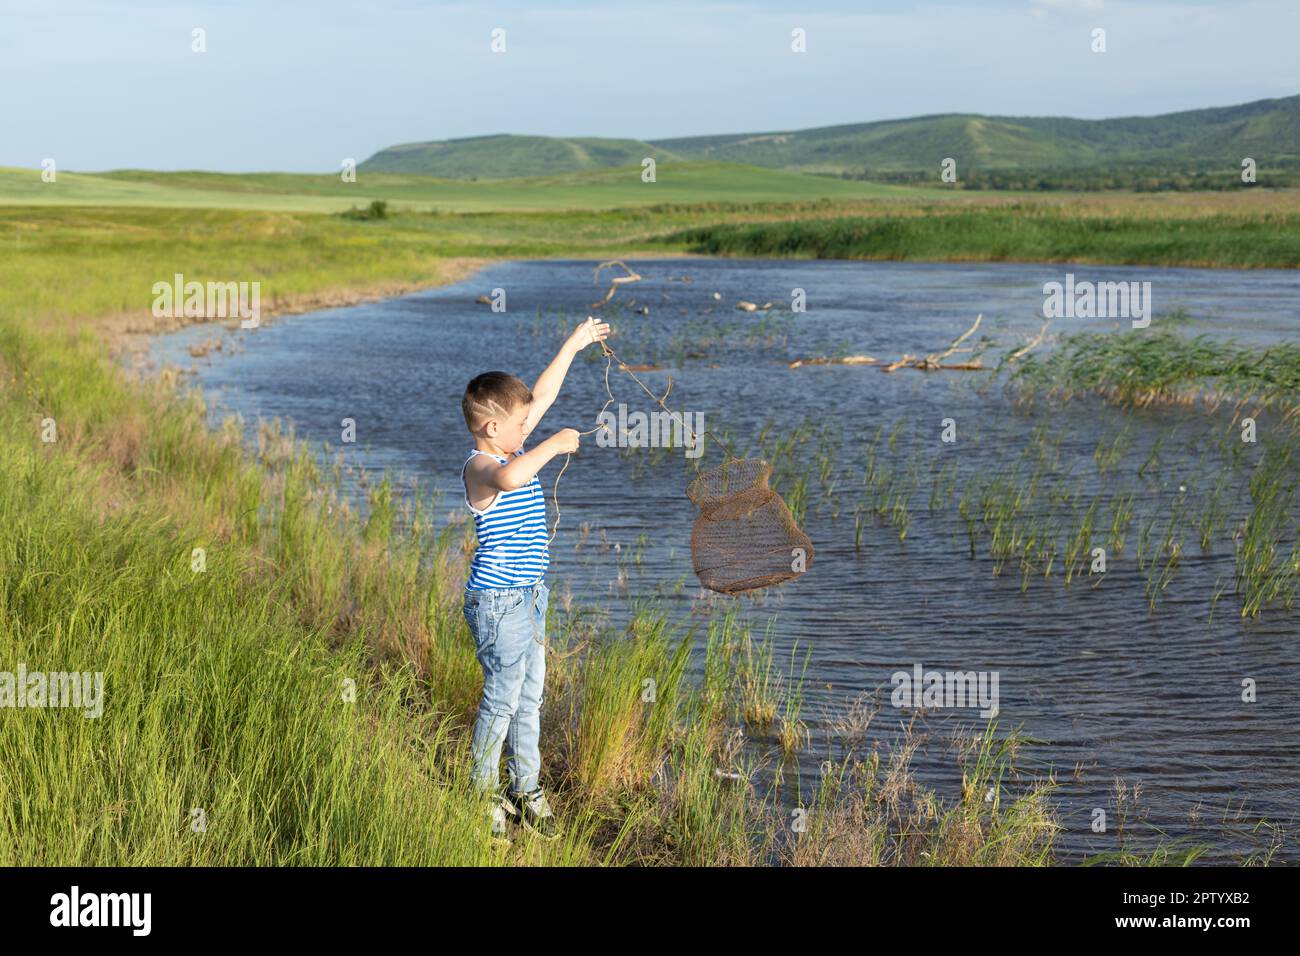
(299, 86)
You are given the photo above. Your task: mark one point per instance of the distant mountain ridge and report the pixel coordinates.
(1265, 130)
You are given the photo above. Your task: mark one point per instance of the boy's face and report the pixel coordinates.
(509, 432)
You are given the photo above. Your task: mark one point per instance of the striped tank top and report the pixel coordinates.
(512, 550)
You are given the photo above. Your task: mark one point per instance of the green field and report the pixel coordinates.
(710, 182)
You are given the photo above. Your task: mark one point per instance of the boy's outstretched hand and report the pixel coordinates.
(589, 333)
(549, 382)
(566, 440)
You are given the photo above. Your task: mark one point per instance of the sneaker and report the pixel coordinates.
(535, 813)
(502, 812)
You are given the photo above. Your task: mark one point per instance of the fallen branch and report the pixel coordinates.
(615, 282)
(846, 360)
(1033, 343)
(908, 359)
(934, 362)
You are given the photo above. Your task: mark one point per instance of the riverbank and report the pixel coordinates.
(127, 335)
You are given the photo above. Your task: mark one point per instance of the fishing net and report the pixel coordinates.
(744, 537)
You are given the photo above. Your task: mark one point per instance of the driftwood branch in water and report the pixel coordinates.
(846, 360)
(616, 281)
(1033, 343)
(936, 359)
(933, 362)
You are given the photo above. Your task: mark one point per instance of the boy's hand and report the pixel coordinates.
(588, 333)
(566, 440)
(548, 384)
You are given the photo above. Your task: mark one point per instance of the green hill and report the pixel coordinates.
(505, 157)
(1268, 130)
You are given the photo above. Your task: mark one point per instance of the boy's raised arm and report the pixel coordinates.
(549, 382)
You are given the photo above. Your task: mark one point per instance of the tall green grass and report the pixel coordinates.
(1165, 367)
(1027, 233)
(221, 708)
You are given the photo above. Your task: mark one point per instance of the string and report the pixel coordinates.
(610, 358)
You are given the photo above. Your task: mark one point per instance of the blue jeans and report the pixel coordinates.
(501, 621)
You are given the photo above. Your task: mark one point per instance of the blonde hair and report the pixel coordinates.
(493, 395)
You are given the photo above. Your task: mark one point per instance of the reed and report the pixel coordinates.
(1026, 233)
(1266, 575)
(1165, 367)
(870, 812)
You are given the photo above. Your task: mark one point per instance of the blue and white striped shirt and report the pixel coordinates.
(512, 550)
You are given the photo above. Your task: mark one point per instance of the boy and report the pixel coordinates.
(505, 596)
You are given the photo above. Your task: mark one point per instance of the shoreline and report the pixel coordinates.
(128, 342)
(128, 335)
